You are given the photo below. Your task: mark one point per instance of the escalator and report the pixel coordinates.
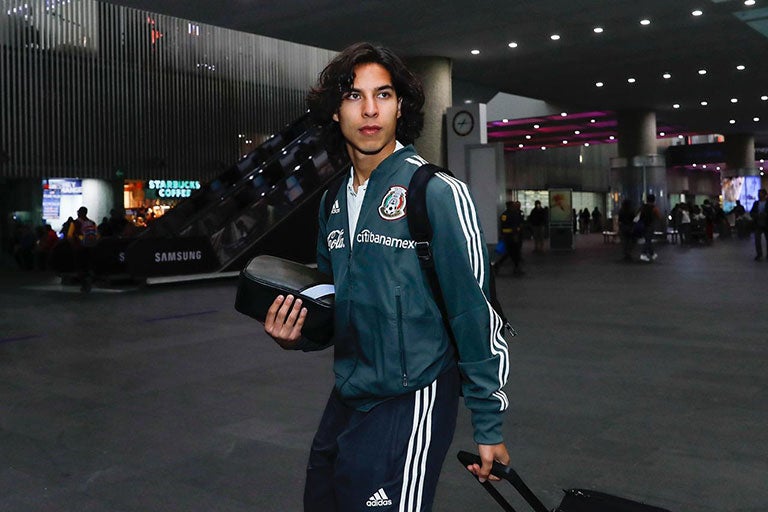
(266, 203)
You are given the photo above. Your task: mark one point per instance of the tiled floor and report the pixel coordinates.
(643, 380)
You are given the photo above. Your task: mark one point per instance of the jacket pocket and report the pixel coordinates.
(400, 338)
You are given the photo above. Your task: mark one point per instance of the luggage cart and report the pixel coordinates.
(575, 500)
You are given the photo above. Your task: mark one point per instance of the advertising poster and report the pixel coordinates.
(560, 209)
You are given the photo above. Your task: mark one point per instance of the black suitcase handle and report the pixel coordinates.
(505, 473)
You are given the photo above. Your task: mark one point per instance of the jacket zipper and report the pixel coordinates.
(400, 340)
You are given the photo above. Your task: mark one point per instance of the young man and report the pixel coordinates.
(392, 413)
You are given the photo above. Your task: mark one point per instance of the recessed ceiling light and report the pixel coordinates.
(764, 98)
(505, 120)
(645, 22)
(565, 142)
(528, 137)
(586, 143)
(475, 52)
(755, 119)
(536, 126)
(749, 3)
(467, 101)
(697, 12)
(704, 166)
(741, 67)
(704, 103)
(591, 120)
(661, 134)
(732, 121)
(611, 137)
(512, 44)
(543, 148)
(631, 80)
(679, 136)
(734, 100)
(520, 145)
(577, 132)
(599, 84)
(718, 167)
(598, 30)
(555, 37)
(666, 76)
(676, 105)
(694, 165)
(702, 71)
(563, 114)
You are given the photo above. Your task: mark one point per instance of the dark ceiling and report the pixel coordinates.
(563, 72)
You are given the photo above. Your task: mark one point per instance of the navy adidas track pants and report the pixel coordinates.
(387, 459)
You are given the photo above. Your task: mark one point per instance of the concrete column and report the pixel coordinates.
(435, 74)
(740, 155)
(639, 170)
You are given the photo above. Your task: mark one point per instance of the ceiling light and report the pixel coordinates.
(543, 148)
(704, 103)
(734, 100)
(599, 84)
(611, 137)
(661, 134)
(512, 44)
(732, 121)
(718, 167)
(764, 98)
(505, 120)
(679, 136)
(749, 3)
(536, 126)
(704, 166)
(598, 30)
(554, 37)
(631, 80)
(702, 71)
(528, 137)
(577, 132)
(741, 67)
(475, 52)
(563, 114)
(755, 119)
(591, 120)
(467, 101)
(645, 22)
(676, 105)
(666, 76)
(694, 165)
(520, 145)
(565, 142)
(697, 12)
(586, 143)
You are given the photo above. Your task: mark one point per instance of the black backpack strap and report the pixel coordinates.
(421, 233)
(332, 192)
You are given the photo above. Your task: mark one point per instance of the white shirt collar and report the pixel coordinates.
(350, 188)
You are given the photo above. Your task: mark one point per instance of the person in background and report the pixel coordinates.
(759, 214)
(626, 228)
(538, 220)
(649, 216)
(83, 235)
(511, 225)
(597, 220)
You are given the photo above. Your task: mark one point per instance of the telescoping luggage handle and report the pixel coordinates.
(505, 473)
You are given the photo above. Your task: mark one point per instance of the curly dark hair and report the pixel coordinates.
(338, 77)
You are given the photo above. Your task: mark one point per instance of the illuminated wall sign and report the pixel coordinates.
(173, 189)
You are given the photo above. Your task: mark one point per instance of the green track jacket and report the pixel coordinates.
(389, 335)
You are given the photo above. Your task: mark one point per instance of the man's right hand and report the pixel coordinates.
(284, 321)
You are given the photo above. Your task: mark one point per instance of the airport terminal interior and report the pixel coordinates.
(183, 128)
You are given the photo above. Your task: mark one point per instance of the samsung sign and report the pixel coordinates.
(173, 189)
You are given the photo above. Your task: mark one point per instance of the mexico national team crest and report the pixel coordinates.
(393, 204)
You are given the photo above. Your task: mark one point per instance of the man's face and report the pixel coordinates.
(368, 113)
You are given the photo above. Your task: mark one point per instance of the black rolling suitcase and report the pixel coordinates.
(575, 500)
